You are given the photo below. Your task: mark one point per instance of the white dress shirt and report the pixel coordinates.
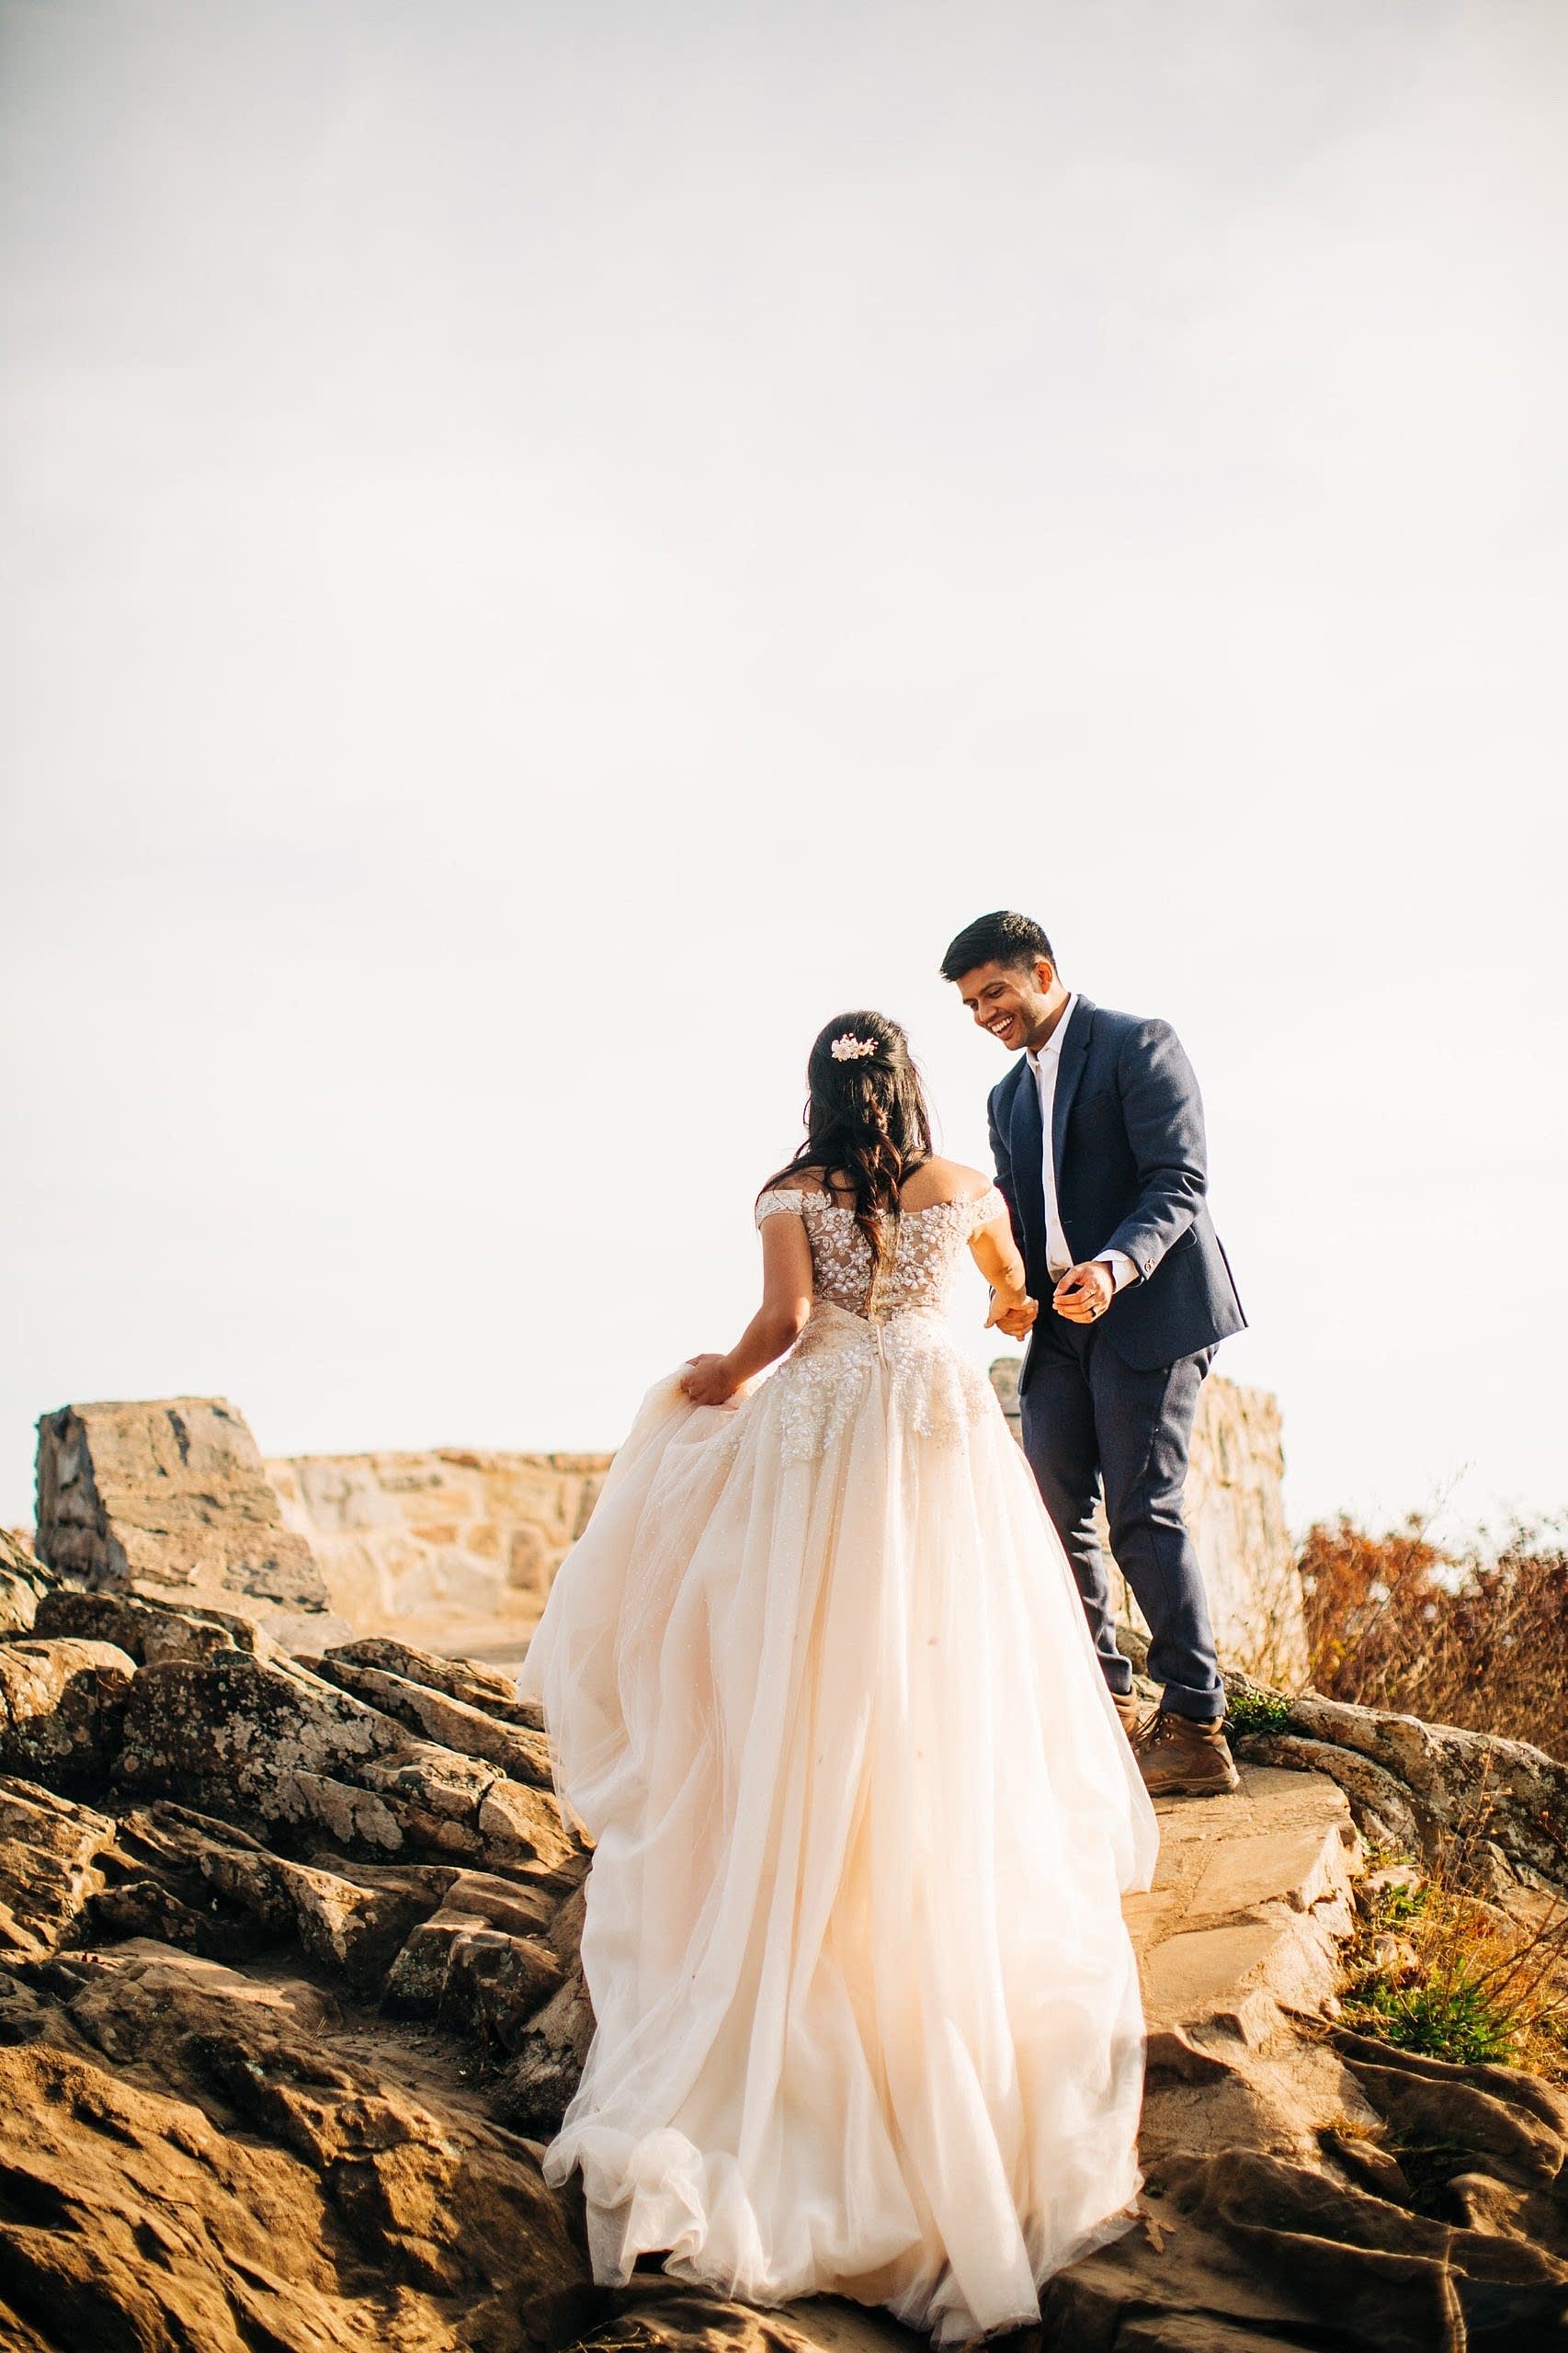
(1057, 1257)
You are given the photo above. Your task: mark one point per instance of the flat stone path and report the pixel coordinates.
(1238, 1878)
(1238, 1943)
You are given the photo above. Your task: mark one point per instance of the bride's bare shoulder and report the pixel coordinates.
(943, 1180)
(799, 1181)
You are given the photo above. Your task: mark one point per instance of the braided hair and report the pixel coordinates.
(866, 1118)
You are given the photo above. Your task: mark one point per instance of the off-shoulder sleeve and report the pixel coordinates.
(769, 1204)
(985, 1209)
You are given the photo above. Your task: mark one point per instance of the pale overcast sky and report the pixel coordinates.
(550, 549)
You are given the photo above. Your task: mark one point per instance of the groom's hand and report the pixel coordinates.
(1084, 1292)
(1017, 1321)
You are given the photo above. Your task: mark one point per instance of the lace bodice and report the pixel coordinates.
(926, 1250)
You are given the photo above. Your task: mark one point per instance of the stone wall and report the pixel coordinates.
(454, 1549)
(1236, 1512)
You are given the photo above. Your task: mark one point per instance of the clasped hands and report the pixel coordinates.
(1013, 1313)
(1081, 1296)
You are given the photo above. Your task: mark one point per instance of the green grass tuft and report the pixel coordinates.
(1253, 1710)
(1445, 2018)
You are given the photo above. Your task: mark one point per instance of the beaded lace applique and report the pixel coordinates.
(925, 1251)
(865, 1324)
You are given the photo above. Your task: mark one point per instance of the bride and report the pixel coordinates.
(819, 1685)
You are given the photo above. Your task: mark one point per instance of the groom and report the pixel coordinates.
(1098, 1133)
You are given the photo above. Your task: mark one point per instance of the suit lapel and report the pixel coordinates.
(1070, 1063)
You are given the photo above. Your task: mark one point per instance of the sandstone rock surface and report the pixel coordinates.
(24, 1581)
(198, 2158)
(282, 1751)
(62, 1703)
(168, 1498)
(291, 1998)
(1411, 1784)
(249, 2099)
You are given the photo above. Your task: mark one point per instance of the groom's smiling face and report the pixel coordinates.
(1017, 1003)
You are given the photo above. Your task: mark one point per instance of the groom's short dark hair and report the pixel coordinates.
(1001, 938)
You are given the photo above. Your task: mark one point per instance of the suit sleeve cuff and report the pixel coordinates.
(1122, 1270)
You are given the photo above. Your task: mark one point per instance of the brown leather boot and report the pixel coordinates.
(1130, 1708)
(1180, 1759)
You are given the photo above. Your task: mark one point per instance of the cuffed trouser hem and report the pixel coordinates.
(1198, 1707)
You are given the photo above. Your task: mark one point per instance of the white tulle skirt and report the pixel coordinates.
(819, 1685)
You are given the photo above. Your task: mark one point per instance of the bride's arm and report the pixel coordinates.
(995, 1252)
(786, 1303)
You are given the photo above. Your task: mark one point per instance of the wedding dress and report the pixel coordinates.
(818, 1684)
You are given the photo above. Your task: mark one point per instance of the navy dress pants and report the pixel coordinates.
(1091, 1422)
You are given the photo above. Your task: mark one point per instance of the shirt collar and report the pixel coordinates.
(1053, 1045)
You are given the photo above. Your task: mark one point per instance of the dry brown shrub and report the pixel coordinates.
(1474, 1638)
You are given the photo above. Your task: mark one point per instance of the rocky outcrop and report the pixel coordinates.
(1412, 1785)
(261, 2087)
(1244, 2250)
(149, 1631)
(1239, 1940)
(290, 1996)
(452, 1549)
(518, 1748)
(288, 1754)
(1236, 1509)
(194, 2157)
(168, 1498)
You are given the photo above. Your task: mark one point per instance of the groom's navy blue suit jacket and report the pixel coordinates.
(1131, 1169)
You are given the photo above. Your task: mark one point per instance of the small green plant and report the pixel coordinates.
(1398, 1905)
(1438, 1968)
(1451, 2016)
(1248, 1709)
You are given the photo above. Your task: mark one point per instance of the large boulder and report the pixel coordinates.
(168, 1498)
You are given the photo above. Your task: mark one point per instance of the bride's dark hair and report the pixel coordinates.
(866, 1117)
